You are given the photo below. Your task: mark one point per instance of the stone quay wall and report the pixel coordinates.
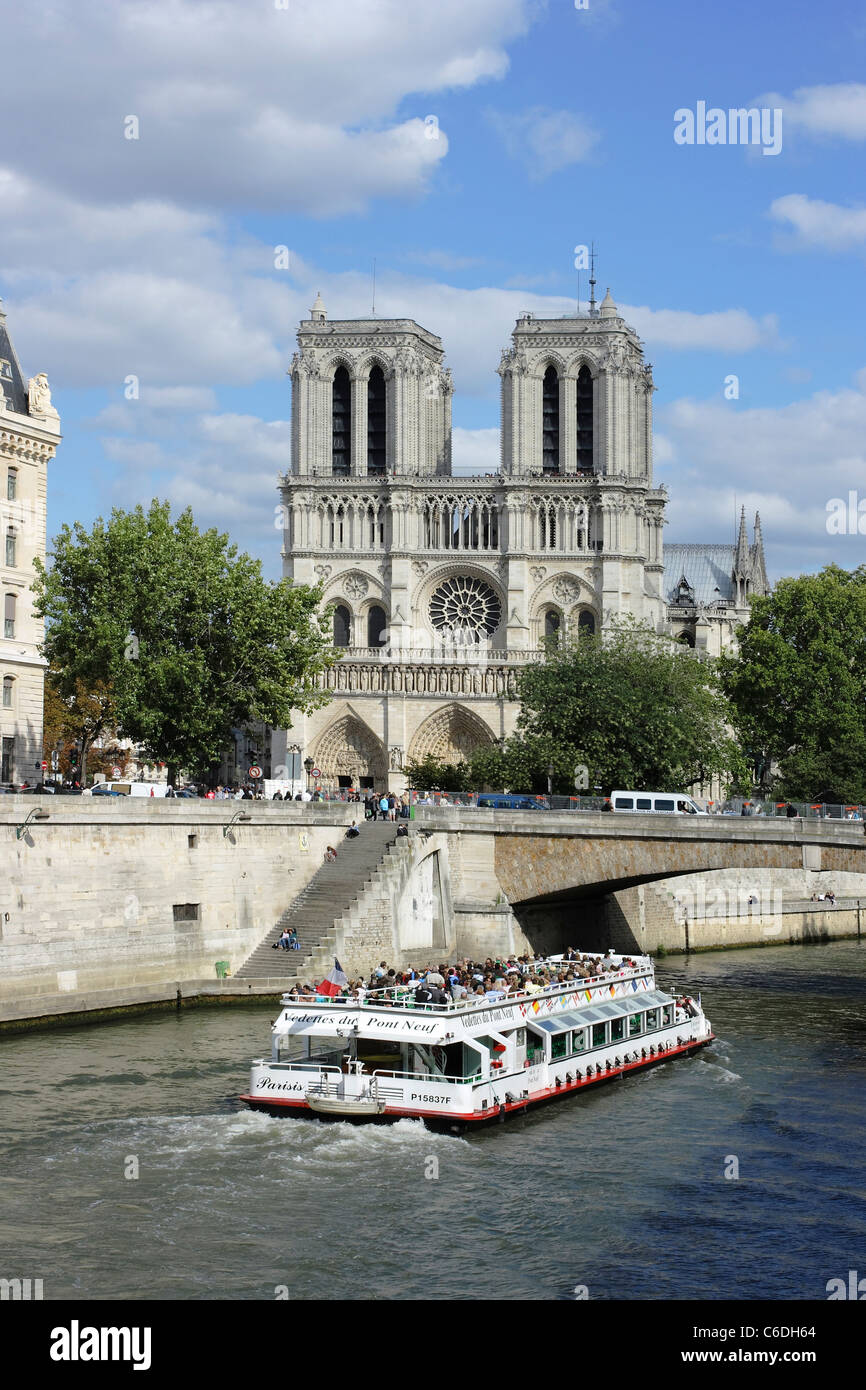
(115, 899)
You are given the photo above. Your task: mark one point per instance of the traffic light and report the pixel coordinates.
(73, 758)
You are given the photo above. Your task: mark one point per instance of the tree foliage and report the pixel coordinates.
(632, 709)
(429, 774)
(187, 635)
(798, 685)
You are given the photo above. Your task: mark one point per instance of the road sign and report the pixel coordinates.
(43, 765)
(317, 772)
(255, 772)
(115, 772)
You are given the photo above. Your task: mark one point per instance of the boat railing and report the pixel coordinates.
(402, 996)
(427, 1076)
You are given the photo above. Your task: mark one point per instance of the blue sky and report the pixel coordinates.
(308, 127)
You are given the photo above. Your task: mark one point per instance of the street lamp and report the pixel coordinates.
(308, 767)
(550, 779)
(34, 815)
(238, 818)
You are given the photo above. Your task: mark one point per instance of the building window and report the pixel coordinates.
(11, 548)
(11, 485)
(342, 626)
(8, 684)
(550, 421)
(376, 624)
(376, 422)
(187, 912)
(7, 760)
(584, 420)
(9, 616)
(586, 622)
(687, 639)
(552, 628)
(341, 454)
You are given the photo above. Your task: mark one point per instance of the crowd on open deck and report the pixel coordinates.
(471, 982)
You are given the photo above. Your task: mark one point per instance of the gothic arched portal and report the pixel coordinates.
(451, 735)
(350, 754)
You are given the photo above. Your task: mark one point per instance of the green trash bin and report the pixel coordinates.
(222, 969)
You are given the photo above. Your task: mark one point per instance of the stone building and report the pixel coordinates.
(444, 586)
(29, 436)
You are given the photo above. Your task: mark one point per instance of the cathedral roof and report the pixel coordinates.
(707, 568)
(12, 384)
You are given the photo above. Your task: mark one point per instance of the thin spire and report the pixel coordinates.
(741, 560)
(593, 312)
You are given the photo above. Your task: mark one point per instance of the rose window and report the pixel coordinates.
(465, 608)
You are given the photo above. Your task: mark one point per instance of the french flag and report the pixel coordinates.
(336, 981)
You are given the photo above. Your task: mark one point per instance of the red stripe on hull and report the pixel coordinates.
(274, 1105)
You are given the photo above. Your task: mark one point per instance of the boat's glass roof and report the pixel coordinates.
(650, 999)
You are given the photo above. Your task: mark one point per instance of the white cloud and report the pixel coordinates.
(545, 141)
(474, 452)
(243, 105)
(817, 223)
(726, 330)
(831, 109)
(786, 462)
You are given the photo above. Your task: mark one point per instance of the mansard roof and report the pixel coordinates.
(12, 385)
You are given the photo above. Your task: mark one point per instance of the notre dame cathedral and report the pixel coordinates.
(444, 586)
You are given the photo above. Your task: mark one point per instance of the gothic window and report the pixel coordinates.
(550, 421)
(465, 609)
(341, 449)
(584, 420)
(11, 548)
(12, 484)
(376, 422)
(8, 684)
(687, 639)
(9, 616)
(586, 622)
(552, 628)
(376, 624)
(342, 626)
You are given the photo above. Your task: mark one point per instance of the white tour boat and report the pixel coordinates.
(454, 1065)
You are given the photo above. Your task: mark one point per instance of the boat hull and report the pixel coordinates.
(454, 1123)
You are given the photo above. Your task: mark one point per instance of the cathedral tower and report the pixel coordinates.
(443, 586)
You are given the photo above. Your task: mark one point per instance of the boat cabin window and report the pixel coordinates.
(635, 1025)
(617, 1029)
(520, 1037)
(578, 1040)
(559, 1046)
(534, 1047)
(652, 1019)
(599, 1034)
(668, 1015)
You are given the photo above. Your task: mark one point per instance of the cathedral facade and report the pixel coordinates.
(443, 586)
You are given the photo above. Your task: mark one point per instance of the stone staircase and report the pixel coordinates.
(329, 894)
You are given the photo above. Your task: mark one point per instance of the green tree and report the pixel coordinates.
(77, 720)
(632, 709)
(798, 685)
(186, 633)
(429, 774)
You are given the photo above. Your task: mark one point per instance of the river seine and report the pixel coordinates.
(734, 1174)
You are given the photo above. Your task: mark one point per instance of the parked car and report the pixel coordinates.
(510, 801)
(100, 791)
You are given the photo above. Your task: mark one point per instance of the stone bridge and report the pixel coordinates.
(551, 879)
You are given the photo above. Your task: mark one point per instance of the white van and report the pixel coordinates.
(139, 788)
(670, 803)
